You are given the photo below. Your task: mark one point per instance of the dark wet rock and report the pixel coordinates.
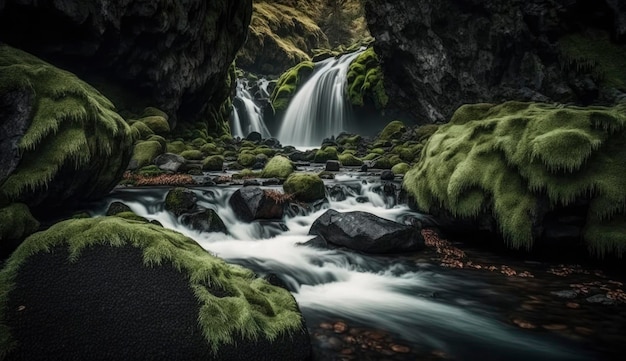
(117, 207)
(271, 182)
(297, 156)
(333, 166)
(366, 232)
(180, 200)
(364, 168)
(15, 118)
(362, 199)
(254, 137)
(387, 175)
(567, 294)
(337, 192)
(317, 242)
(437, 55)
(272, 143)
(601, 299)
(170, 162)
(168, 54)
(205, 220)
(250, 203)
(251, 183)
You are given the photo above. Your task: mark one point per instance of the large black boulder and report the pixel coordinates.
(205, 220)
(251, 203)
(366, 232)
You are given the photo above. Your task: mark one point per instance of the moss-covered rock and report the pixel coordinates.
(400, 168)
(150, 171)
(382, 163)
(192, 154)
(305, 187)
(67, 143)
(16, 224)
(131, 216)
(211, 149)
(213, 163)
(140, 130)
(393, 130)
(246, 159)
(348, 159)
(177, 147)
(180, 200)
(518, 161)
(288, 83)
(365, 80)
(205, 308)
(157, 124)
(278, 167)
(144, 153)
(325, 154)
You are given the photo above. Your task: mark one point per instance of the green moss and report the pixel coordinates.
(378, 151)
(325, 154)
(593, 52)
(393, 130)
(211, 149)
(246, 173)
(213, 163)
(152, 111)
(246, 159)
(145, 152)
(382, 163)
(131, 216)
(305, 187)
(371, 156)
(192, 154)
(400, 168)
(265, 151)
(425, 131)
(350, 160)
(140, 130)
(252, 309)
(365, 80)
(278, 167)
(159, 125)
(288, 83)
(510, 159)
(177, 147)
(16, 223)
(73, 127)
(150, 171)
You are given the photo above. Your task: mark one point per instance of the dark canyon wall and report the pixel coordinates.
(171, 54)
(440, 54)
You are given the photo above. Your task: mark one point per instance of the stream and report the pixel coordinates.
(404, 307)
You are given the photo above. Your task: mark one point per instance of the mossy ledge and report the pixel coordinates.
(74, 130)
(247, 307)
(518, 161)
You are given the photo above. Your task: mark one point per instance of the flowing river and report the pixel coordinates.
(400, 307)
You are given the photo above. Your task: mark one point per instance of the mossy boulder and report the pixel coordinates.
(61, 141)
(246, 159)
(213, 163)
(176, 147)
(253, 203)
(400, 168)
(140, 131)
(305, 187)
(157, 124)
(519, 161)
(366, 81)
(16, 224)
(144, 154)
(131, 216)
(192, 154)
(348, 159)
(288, 83)
(161, 296)
(180, 200)
(393, 130)
(278, 167)
(325, 154)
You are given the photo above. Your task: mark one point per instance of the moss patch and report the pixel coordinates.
(278, 167)
(400, 168)
(305, 187)
(393, 130)
(288, 83)
(325, 154)
(213, 163)
(510, 158)
(144, 153)
(348, 159)
(248, 307)
(17, 223)
(365, 80)
(192, 154)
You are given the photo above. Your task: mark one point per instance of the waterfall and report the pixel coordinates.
(247, 117)
(319, 108)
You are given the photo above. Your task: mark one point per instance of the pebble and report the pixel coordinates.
(400, 348)
(569, 294)
(555, 327)
(572, 305)
(340, 327)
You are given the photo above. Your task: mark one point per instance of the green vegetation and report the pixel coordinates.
(16, 223)
(326, 153)
(593, 52)
(305, 187)
(73, 128)
(365, 80)
(213, 163)
(180, 200)
(177, 147)
(150, 171)
(288, 83)
(509, 159)
(246, 159)
(140, 130)
(144, 153)
(192, 154)
(393, 130)
(131, 216)
(400, 168)
(348, 159)
(278, 167)
(247, 307)
(157, 124)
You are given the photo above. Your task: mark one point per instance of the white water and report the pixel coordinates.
(247, 117)
(382, 292)
(319, 108)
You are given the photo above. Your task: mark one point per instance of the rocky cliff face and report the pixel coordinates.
(170, 54)
(438, 55)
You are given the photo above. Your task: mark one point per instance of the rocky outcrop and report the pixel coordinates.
(366, 232)
(438, 55)
(254, 203)
(171, 54)
(160, 296)
(62, 141)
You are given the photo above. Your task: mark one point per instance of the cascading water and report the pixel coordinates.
(319, 108)
(389, 293)
(246, 117)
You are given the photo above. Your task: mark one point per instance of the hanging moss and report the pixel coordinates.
(365, 80)
(16, 223)
(288, 83)
(74, 130)
(510, 158)
(248, 307)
